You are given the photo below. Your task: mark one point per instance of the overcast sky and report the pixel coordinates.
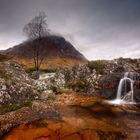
(100, 29)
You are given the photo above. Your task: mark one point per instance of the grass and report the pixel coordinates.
(3, 58)
(17, 106)
(48, 70)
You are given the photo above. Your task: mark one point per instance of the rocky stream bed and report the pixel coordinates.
(72, 117)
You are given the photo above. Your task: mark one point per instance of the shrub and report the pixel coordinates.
(78, 86)
(98, 65)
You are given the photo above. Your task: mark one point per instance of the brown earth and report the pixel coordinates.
(49, 63)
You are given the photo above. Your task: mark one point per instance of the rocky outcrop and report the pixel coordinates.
(15, 84)
(78, 78)
(16, 87)
(100, 77)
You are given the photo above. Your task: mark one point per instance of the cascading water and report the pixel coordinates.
(125, 92)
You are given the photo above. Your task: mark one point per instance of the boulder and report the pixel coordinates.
(15, 85)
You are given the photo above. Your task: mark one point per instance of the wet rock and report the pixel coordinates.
(119, 69)
(108, 85)
(137, 94)
(77, 117)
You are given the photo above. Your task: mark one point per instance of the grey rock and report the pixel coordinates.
(15, 85)
(48, 94)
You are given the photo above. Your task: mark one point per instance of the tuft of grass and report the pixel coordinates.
(14, 107)
(17, 106)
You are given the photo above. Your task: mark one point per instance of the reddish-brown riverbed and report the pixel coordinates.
(78, 117)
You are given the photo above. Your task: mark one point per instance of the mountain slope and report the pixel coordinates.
(57, 52)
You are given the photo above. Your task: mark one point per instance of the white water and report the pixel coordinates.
(46, 76)
(124, 96)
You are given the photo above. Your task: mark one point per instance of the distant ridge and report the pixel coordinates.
(57, 52)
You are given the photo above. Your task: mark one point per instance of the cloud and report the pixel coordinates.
(98, 28)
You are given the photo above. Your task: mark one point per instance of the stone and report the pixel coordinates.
(47, 94)
(35, 75)
(15, 85)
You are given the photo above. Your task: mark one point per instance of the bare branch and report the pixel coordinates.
(36, 29)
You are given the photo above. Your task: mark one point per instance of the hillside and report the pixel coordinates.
(57, 52)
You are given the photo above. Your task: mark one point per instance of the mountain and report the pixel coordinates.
(57, 52)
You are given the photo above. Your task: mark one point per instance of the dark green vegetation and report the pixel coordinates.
(98, 65)
(4, 58)
(13, 107)
(78, 86)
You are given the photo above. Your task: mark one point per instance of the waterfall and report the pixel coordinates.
(125, 92)
(128, 95)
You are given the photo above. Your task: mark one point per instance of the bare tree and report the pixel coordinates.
(35, 30)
